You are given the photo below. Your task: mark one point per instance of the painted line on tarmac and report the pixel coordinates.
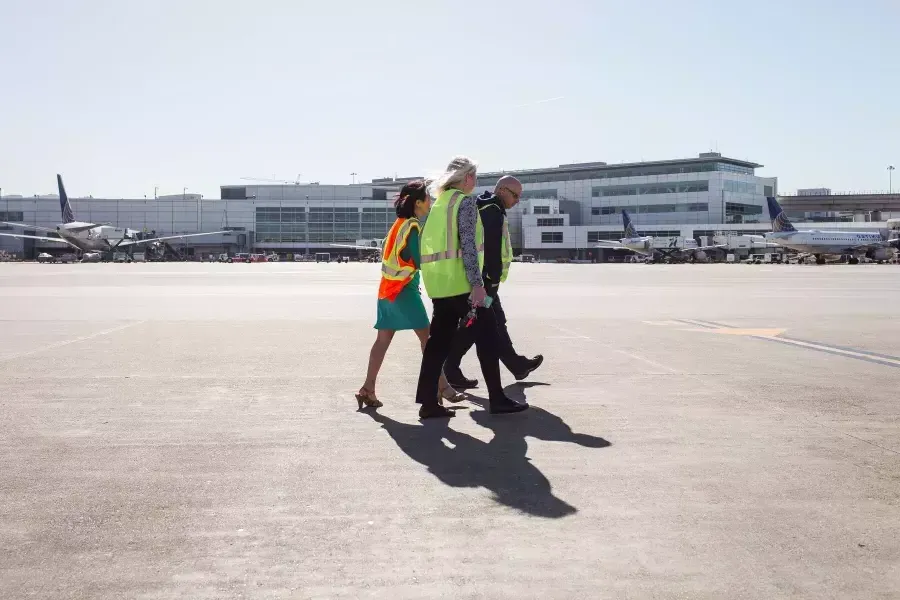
(888, 362)
(728, 330)
(855, 353)
(704, 324)
(72, 341)
(847, 349)
(637, 357)
(752, 398)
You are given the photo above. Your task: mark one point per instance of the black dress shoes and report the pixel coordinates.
(507, 406)
(528, 367)
(460, 382)
(435, 411)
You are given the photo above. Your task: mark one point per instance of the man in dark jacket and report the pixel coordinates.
(492, 207)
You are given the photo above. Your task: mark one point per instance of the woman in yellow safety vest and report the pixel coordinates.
(400, 304)
(452, 265)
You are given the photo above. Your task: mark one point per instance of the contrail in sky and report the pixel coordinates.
(544, 101)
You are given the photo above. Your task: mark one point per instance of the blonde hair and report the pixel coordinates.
(455, 174)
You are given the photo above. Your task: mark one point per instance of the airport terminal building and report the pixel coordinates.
(565, 210)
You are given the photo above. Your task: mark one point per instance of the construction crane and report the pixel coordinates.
(273, 180)
(267, 180)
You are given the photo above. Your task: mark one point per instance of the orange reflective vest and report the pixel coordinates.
(396, 272)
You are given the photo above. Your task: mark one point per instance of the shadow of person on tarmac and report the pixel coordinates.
(535, 422)
(499, 466)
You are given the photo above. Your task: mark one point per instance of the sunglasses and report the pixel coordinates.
(515, 195)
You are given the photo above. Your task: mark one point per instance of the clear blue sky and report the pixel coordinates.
(120, 95)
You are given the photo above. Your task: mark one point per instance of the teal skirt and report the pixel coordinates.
(406, 311)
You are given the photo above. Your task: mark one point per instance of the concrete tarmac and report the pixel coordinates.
(189, 431)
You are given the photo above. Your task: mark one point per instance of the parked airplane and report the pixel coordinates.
(828, 243)
(373, 246)
(89, 237)
(644, 245)
(366, 245)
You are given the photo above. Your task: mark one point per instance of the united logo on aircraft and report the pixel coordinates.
(782, 223)
(630, 231)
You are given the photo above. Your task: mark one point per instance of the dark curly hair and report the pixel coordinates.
(406, 200)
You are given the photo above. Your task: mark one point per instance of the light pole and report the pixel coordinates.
(353, 175)
(891, 179)
(172, 206)
(307, 226)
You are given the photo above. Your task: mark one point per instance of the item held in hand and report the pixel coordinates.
(473, 312)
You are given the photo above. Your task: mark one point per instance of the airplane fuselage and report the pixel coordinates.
(641, 245)
(90, 237)
(100, 238)
(647, 246)
(826, 242)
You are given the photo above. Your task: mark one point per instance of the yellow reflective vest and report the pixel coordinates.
(506, 253)
(396, 272)
(442, 267)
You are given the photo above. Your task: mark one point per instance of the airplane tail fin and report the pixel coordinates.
(65, 208)
(780, 222)
(630, 231)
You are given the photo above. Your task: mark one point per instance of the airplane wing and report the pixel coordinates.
(717, 247)
(125, 243)
(889, 242)
(875, 246)
(39, 237)
(24, 226)
(85, 227)
(611, 244)
(355, 247)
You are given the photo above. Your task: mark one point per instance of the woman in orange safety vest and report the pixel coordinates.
(400, 304)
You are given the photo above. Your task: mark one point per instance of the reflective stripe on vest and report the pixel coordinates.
(506, 253)
(390, 264)
(442, 265)
(451, 235)
(396, 273)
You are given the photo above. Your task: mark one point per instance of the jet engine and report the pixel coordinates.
(880, 254)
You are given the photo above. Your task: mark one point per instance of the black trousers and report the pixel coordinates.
(445, 321)
(464, 339)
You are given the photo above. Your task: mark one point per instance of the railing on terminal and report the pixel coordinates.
(842, 193)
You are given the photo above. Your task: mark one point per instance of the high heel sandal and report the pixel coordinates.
(451, 395)
(368, 397)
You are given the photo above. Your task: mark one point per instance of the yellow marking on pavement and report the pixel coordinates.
(706, 327)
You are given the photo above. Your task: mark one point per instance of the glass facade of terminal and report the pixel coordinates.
(322, 224)
(551, 222)
(647, 189)
(612, 172)
(538, 194)
(650, 208)
(735, 212)
(552, 237)
(677, 196)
